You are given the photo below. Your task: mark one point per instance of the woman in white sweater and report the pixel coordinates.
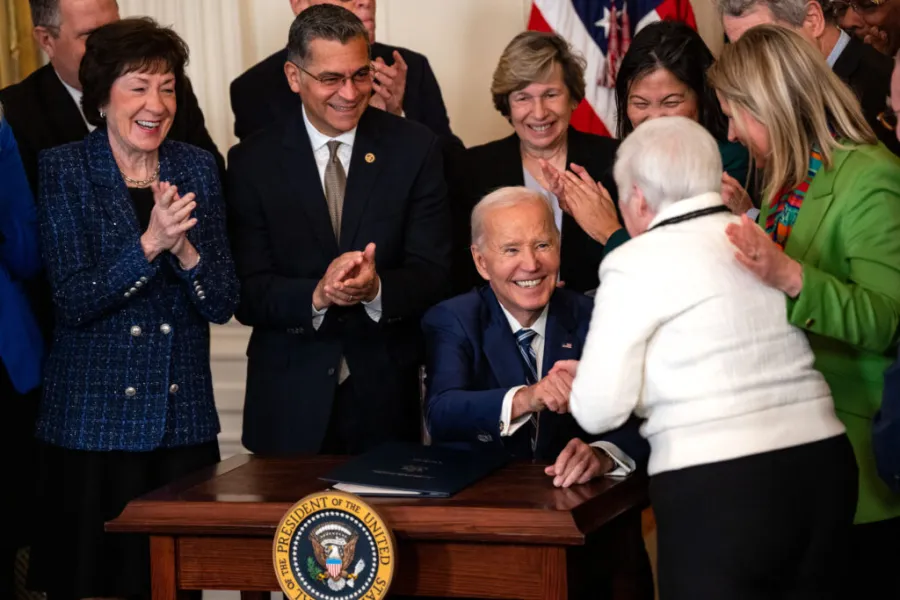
(753, 481)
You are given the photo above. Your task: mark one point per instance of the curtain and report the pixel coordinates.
(212, 31)
(19, 55)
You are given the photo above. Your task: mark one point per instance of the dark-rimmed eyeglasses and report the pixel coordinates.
(335, 81)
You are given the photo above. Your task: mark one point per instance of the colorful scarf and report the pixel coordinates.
(786, 205)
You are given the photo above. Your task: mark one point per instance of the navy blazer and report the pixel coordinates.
(473, 360)
(261, 97)
(129, 366)
(21, 344)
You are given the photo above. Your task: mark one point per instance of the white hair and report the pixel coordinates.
(668, 159)
(502, 198)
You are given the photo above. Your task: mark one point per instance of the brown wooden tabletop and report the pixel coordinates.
(248, 495)
(214, 529)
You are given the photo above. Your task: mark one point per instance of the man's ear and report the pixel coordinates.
(46, 39)
(480, 262)
(814, 21)
(292, 73)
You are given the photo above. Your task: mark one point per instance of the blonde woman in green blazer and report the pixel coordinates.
(828, 236)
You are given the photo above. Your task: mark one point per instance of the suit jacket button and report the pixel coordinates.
(165, 328)
(331, 371)
(135, 331)
(809, 323)
(173, 389)
(130, 392)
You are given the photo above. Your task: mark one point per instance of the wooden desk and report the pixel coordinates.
(214, 530)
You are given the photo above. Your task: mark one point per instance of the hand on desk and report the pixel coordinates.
(351, 278)
(578, 463)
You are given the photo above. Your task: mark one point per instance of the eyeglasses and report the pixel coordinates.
(888, 117)
(840, 7)
(335, 81)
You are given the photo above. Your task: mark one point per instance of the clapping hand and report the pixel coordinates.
(349, 279)
(170, 219)
(586, 200)
(390, 87)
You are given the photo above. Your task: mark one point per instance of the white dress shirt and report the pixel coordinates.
(687, 338)
(839, 46)
(76, 97)
(624, 463)
(321, 153)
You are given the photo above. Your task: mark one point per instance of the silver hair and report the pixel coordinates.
(792, 12)
(502, 198)
(668, 159)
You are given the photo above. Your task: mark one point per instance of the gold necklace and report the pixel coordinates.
(141, 182)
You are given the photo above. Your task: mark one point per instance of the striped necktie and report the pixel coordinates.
(524, 338)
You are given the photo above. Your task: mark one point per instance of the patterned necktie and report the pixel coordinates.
(524, 338)
(335, 186)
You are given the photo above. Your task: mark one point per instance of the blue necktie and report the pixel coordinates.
(524, 338)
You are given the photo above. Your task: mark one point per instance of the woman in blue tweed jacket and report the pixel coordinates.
(134, 241)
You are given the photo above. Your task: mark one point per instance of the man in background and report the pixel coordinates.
(865, 70)
(404, 84)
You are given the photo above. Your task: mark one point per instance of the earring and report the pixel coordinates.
(102, 115)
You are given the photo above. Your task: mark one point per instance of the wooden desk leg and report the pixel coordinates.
(163, 580)
(554, 583)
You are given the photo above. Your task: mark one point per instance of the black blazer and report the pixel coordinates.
(261, 96)
(868, 73)
(43, 115)
(282, 244)
(498, 164)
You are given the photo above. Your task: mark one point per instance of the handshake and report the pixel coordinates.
(551, 393)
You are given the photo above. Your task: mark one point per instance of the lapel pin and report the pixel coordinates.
(370, 158)
(568, 345)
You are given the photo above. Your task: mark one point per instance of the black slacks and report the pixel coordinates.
(770, 526)
(873, 561)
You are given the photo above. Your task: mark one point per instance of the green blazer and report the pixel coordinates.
(847, 237)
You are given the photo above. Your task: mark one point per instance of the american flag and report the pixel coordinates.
(601, 31)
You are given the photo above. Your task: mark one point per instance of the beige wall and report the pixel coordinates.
(461, 38)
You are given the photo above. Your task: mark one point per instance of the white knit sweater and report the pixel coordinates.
(687, 338)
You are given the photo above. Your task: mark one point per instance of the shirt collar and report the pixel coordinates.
(539, 326)
(76, 97)
(319, 139)
(682, 207)
(835, 53)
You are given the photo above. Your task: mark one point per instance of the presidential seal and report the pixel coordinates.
(333, 546)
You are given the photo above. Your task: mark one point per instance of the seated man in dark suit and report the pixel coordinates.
(44, 109)
(491, 356)
(336, 345)
(405, 84)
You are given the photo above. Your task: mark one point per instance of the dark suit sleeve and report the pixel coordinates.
(196, 128)
(426, 102)
(423, 279)
(19, 254)
(268, 299)
(615, 240)
(86, 284)
(454, 413)
(212, 283)
(242, 108)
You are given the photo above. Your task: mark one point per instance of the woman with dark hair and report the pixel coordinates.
(133, 233)
(536, 86)
(663, 74)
